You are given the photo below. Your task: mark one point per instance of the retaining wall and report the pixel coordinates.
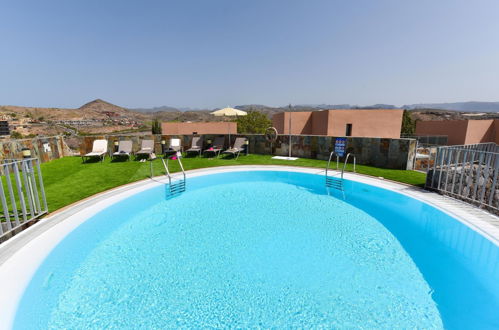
(45, 149)
(385, 153)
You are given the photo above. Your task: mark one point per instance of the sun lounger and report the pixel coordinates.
(99, 149)
(196, 145)
(217, 147)
(174, 147)
(124, 149)
(237, 147)
(147, 148)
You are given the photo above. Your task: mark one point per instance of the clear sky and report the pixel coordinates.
(212, 53)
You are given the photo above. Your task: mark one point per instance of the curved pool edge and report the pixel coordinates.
(22, 255)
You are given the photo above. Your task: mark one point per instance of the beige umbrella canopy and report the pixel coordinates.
(229, 112)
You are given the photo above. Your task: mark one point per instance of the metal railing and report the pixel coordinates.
(175, 187)
(467, 172)
(179, 186)
(345, 164)
(22, 195)
(331, 181)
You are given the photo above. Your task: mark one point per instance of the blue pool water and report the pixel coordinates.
(267, 249)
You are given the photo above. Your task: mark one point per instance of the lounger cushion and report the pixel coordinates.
(90, 154)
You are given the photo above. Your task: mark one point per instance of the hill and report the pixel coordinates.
(471, 106)
(97, 116)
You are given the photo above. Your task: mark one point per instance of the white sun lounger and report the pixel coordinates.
(99, 150)
(124, 149)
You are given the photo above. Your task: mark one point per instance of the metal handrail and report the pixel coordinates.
(345, 164)
(329, 161)
(168, 171)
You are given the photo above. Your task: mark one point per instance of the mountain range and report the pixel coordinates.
(471, 106)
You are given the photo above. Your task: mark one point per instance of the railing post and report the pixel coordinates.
(5, 207)
(494, 181)
(11, 194)
(27, 187)
(42, 187)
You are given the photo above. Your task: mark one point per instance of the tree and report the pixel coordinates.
(156, 126)
(408, 124)
(254, 122)
(16, 135)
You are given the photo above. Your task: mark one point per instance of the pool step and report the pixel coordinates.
(177, 187)
(335, 183)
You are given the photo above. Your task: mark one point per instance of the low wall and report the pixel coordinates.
(45, 149)
(385, 153)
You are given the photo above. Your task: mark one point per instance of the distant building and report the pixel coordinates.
(218, 127)
(78, 122)
(461, 131)
(383, 123)
(4, 128)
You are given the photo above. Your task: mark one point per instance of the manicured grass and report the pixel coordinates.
(68, 180)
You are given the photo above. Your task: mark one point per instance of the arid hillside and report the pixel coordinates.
(97, 116)
(436, 114)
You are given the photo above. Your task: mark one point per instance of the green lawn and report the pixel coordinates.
(68, 180)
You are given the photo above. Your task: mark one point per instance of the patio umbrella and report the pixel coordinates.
(229, 112)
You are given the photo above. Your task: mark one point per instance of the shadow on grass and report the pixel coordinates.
(91, 160)
(121, 159)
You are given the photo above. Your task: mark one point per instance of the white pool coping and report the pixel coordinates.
(21, 256)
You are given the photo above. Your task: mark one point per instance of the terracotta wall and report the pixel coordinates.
(301, 122)
(480, 131)
(200, 128)
(320, 122)
(382, 123)
(461, 131)
(454, 129)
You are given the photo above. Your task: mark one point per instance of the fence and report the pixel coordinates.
(22, 195)
(467, 172)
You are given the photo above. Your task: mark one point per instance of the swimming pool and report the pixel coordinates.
(266, 249)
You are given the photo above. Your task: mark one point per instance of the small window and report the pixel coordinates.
(348, 130)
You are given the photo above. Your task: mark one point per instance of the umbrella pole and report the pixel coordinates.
(289, 153)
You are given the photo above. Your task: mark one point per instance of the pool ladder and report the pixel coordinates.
(333, 181)
(175, 187)
(178, 186)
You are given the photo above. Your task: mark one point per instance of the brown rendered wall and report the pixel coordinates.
(301, 122)
(320, 122)
(460, 131)
(200, 128)
(383, 123)
(454, 129)
(480, 131)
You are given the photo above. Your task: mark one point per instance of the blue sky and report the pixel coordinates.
(212, 53)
